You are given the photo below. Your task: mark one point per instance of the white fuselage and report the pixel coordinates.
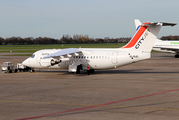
(166, 46)
(90, 59)
(96, 58)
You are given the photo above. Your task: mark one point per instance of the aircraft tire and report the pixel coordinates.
(32, 71)
(78, 69)
(91, 71)
(176, 56)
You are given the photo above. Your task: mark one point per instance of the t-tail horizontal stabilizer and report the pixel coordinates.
(145, 36)
(138, 23)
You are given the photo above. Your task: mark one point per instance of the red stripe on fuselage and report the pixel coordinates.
(136, 37)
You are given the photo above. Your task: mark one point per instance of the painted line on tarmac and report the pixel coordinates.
(113, 106)
(78, 109)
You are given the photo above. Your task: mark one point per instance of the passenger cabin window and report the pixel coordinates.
(33, 56)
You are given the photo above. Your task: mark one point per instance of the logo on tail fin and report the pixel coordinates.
(141, 40)
(138, 28)
(135, 40)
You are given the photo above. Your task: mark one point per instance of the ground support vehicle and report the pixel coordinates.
(22, 68)
(8, 67)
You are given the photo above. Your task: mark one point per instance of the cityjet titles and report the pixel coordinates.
(141, 40)
(45, 53)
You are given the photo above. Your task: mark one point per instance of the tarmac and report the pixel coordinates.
(141, 91)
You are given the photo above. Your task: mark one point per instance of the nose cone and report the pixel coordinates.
(26, 62)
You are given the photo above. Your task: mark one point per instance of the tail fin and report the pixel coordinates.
(137, 24)
(145, 36)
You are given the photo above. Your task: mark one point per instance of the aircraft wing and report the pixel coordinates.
(168, 48)
(63, 52)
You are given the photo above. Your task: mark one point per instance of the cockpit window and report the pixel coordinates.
(33, 56)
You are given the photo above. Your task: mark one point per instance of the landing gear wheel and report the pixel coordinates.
(32, 71)
(78, 69)
(176, 56)
(90, 71)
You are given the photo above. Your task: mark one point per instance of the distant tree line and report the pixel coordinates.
(67, 39)
(170, 37)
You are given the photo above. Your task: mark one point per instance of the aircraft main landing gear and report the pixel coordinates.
(177, 55)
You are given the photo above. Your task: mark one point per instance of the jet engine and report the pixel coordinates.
(54, 62)
(48, 62)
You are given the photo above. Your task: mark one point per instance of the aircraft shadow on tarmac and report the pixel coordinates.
(135, 71)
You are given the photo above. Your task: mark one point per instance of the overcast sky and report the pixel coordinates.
(96, 18)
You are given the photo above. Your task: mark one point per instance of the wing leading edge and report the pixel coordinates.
(63, 52)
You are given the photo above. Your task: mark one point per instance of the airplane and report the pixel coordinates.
(91, 59)
(167, 46)
(163, 46)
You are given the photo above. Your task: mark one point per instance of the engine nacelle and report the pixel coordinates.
(48, 62)
(54, 62)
